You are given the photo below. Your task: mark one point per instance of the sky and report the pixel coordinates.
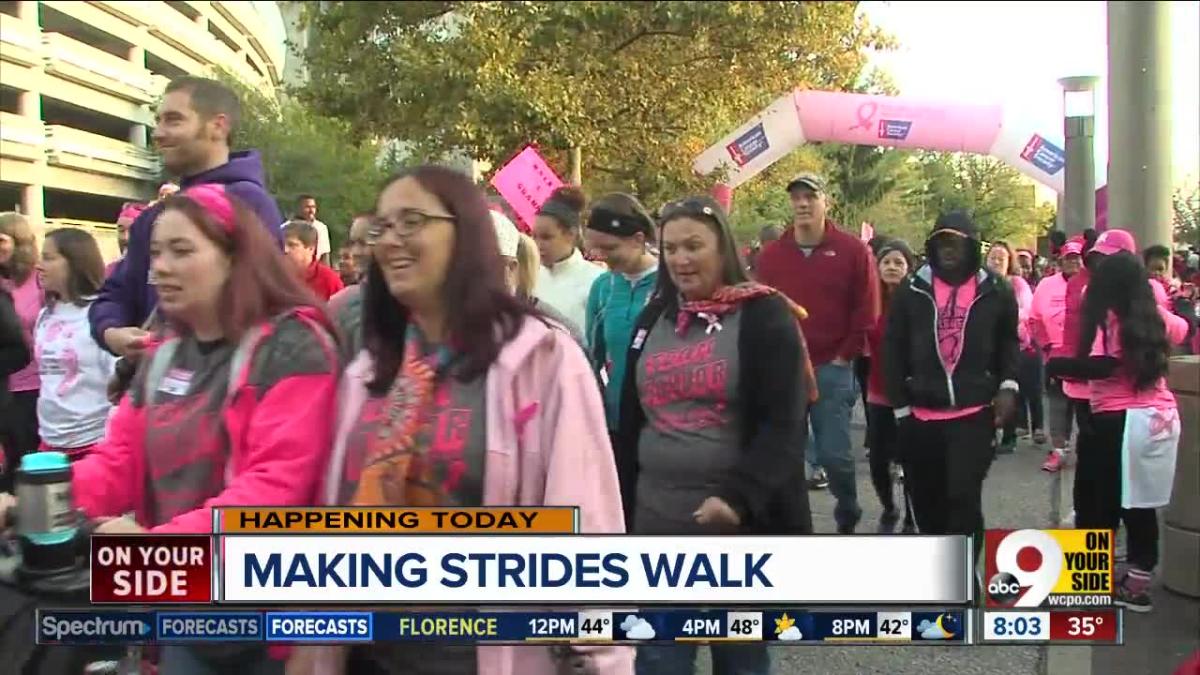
(1014, 52)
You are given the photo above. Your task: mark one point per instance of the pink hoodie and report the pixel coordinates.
(548, 445)
(279, 444)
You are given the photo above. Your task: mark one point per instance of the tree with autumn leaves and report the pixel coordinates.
(640, 88)
(634, 91)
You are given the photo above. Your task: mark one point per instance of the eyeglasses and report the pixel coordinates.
(405, 224)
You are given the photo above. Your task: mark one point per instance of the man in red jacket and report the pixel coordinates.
(300, 245)
(832, 275)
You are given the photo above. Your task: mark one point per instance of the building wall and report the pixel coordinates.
(78, 82)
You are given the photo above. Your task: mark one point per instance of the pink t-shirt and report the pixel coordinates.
(1048, 311)
(1117, 393)
(28, 300)
(952, 304)
(1083, 390)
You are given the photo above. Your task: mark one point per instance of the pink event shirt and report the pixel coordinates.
(1117, 393)
(28, 300)
(952, 305)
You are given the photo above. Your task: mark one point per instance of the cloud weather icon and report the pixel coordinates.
(934, 630)
(637, 628)
(786, 630)
(792, 633)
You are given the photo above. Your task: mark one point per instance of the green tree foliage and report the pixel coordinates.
(1186, 207)
(305, 152)
(862, 176)
(763, 201)
(1001, 200)
(641, 87)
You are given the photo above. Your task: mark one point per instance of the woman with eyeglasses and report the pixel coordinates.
(712, 425)
(465, 395)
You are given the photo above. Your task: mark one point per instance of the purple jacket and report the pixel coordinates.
(126, 299)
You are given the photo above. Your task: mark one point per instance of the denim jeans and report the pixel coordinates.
(680, 659)
(830, 419)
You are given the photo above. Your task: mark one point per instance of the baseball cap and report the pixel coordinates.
(1071, 248)
(809, 180)
(507, 235)
(1112, 241)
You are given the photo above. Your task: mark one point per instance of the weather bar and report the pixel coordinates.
(782, 625)
(1099, 626)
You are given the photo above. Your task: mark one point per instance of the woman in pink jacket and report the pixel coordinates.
(1003, 263)
(231, 409)
(1046, 325)
(464, 395)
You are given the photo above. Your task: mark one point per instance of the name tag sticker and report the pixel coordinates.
(176, 382)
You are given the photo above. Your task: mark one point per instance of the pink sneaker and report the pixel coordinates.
(1053, 462)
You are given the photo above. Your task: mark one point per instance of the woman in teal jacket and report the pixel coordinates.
(618, 230)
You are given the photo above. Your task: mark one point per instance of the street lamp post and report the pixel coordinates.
(1139, 119)
(1079, 177)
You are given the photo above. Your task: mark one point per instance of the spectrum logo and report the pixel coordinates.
(93, 628)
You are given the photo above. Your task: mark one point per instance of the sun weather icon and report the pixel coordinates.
(786, 629)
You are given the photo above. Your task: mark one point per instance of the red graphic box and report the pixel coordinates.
(140, 569)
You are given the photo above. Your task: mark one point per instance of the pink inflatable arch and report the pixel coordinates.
(805, 116)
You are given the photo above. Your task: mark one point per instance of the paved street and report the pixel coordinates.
(1016, 494)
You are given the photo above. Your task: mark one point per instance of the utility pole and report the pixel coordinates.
(1139, 120)
(1079, 177)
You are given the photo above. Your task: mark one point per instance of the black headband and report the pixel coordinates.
(564, 214)
(617, 224)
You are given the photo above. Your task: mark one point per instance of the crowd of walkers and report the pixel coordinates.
(659, 382)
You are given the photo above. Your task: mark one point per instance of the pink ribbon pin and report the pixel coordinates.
(523, 416)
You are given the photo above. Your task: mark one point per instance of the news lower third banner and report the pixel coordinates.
(781, 625)
(517, 569)
(395, 520)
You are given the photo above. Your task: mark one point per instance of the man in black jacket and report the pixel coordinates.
(950, 364)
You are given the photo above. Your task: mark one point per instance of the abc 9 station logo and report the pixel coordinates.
(1028, 563)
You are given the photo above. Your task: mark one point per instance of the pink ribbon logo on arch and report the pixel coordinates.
(866, 116)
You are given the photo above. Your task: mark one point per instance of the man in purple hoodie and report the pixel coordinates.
(196, 120)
